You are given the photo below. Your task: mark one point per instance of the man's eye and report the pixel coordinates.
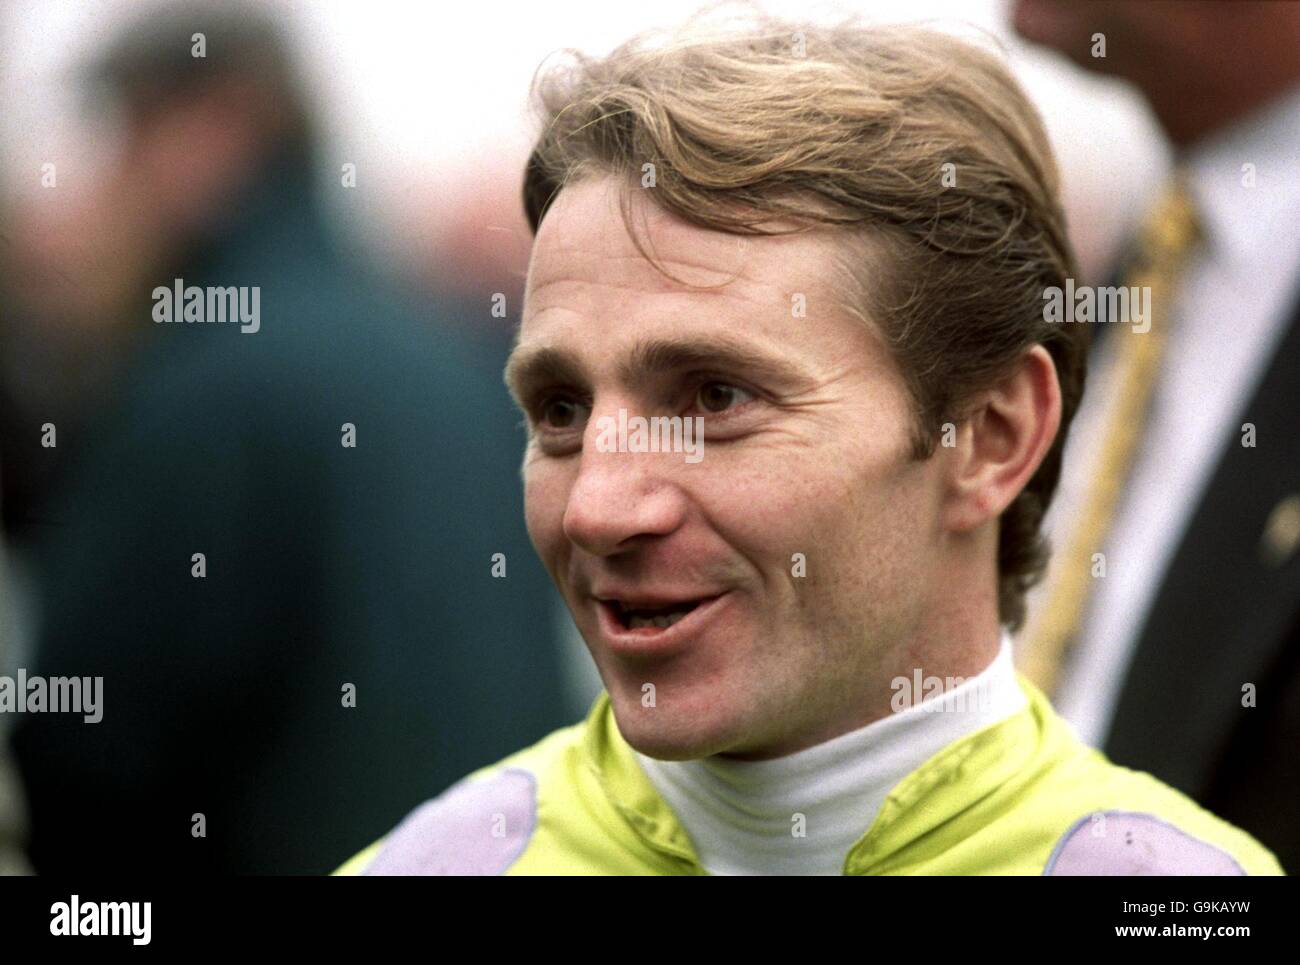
(720, 396)
(560, 413)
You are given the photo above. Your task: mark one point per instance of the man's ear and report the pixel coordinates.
(1001, 444)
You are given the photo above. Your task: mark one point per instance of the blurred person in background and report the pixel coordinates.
(13, 814)
(1184, 660)
(363, 623)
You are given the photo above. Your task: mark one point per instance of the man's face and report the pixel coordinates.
(1143, 40)
(806, 456)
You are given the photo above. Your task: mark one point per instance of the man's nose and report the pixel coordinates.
(619, 496)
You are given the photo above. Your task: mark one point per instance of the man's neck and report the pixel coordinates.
(801, 814)
(1189, 122)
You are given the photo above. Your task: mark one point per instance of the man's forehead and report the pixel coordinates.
(593, 296)
(585, 237)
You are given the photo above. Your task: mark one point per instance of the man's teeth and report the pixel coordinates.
(662, 621)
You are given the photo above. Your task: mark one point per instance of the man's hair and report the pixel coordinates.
(920, 147)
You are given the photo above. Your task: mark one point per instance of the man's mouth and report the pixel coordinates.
(647, 615)
(641, 617)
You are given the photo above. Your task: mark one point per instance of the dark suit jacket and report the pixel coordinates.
(1227, 614)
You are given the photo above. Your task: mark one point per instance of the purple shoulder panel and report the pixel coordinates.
(476, 827)
(1129, 843)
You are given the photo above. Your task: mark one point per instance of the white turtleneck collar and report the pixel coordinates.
(742, 816)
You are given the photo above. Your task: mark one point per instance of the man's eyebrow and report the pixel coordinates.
(658, 356)
(528, 367)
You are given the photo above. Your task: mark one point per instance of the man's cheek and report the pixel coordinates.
(801, 518)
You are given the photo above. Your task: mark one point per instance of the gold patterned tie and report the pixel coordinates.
(1163, 245)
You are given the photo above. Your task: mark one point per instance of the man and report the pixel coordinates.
(830, 246)
(1185, 660)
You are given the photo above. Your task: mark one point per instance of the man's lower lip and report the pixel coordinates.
(652, 639)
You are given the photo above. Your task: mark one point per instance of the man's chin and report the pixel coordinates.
(667, 734)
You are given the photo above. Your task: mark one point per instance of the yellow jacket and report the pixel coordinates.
(1022, 796)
